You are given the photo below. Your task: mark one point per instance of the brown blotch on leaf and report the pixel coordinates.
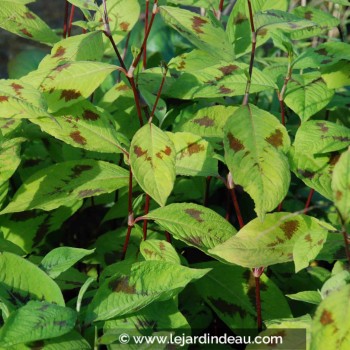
(277, 242)
(240, 18)
(139, 151)
(228, 69)
(326, 317)
(161, 246)
(192, 148)
(262, 32)
(37, 345)
(338, 195)
(60, 52)
(322, 52)
(323, 127)
(70, 94)
(121, 284)
(77, 137)
(88, 193)
(308, 238)
(8, 124)
(90, 115)
(341, 138)
(197, 23)
(122, 88)
(124, 26)
(306, 173)
(227, 308)
(195, 240)
(24, 215)
(204, 121)
(17, 88)
(289, 228)
(42, 231)
(326, 61)
(225, 90)
(79, 169)
(25, 32)
(196, 214)
(275, 139)
(181, 65)
(167, 150)
(235, 144)
(308, 15)
(29, 15)
(61, 67)
(333, 159)
(4, 98)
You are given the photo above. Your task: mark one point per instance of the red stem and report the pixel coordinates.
(158, 94)
(168, 236)
(252, 54)
(236, 206)
(126, 242)
(145, 222)
(308, 201)
(71, 17)
(146, 29)
(280, 207)
(219, 12)
(65, 23)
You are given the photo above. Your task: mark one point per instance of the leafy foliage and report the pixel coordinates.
(175, 166)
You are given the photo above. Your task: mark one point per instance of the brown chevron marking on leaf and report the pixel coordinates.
(227, 308)
(60, 52)
(29, 15)
(326, 317)
(204, 121)
(90, 115)
(197, 23)
(322, 52)
(139, 151)
(124, 26)
(70, 94)
(122, 284)
(240, 18)
(290, 227)
(25, 32)
(308, 15)
(4, 98)
(226, 70)
(275, 139)
(235, 144)
(323, 127)
(17, 88)
(306, 173)
(88, 193)
(225, 90)
(196, 214)
(78, 138)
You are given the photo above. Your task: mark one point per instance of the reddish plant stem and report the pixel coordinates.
(252, 54)
(236, 206)
(165, 71)
(168, 236)
(65, 23)
(228, 205)
(219, 11)
(231, 187)
(206, 191)
(71, 17)
(138, 57)
(281, 93)
(145, 222)
(146, 29)
(279, 208)
(308, 201)
(345, 236)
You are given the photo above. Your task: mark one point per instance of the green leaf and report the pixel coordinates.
(37, 224)
(341, 186)
(220, 80)
(18, 19)
(20, 281)
(152, 160)
(341, 2)
(330, 327)
(207, 122)
(309, 296)
(36, 321)
(83, 47)
(255, 143)
(337, 75)
(19, 100)
(61, 259)
(306, 97)
(238, 25)
(236, 306)
(199, 31)
(85, 4)
(194, 155)
(335, 282)
(24, 62)
(324, 20)
(322, 55)
(65, 182)
(154, 249)
(281, 20)
(70, 82)
(9, 157)
(280, 238)
(194, 224)
(133, 286)
(122, 14)
(85, 126)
